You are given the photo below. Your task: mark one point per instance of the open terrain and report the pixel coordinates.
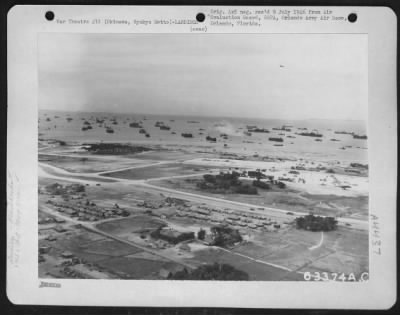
(99, 213)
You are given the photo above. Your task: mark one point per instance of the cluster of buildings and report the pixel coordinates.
(150, 205)
(212, 215)
(88, 212)
(48, 220)
(230, 217)
(63, 190)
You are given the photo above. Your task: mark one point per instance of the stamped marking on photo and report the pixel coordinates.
(45, 284)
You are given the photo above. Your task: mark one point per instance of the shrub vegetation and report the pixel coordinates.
(226, 183)
(316, 223)
(215, 271)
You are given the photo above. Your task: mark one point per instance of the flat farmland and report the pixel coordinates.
(122, 192)
(162, 170)
(343, 262)
(255, 270)
(133, 224)
(85, 164)
(335, 251)
(350, 241)
(110, 248)
(102, 257)
(93, 250)
(52, 172)
(136, 268)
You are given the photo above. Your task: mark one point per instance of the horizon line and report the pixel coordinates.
(197, 115)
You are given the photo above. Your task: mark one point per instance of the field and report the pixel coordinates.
(99, 257)
(137, 268)
(257, 271)
(289, 199)
(89, 164)
(50, 171)
(134, 224)
(163, 170)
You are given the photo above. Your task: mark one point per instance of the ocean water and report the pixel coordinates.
(238, 142)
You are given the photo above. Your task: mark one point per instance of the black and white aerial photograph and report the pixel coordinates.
(203, 156)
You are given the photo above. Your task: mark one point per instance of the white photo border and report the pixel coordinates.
(23, 284)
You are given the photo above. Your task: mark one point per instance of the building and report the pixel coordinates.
(51, 237)
(66, 254)
(44, 249)
(59, 228)
(59, 220)
(70, 212)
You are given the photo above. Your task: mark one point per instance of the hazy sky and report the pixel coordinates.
(252, 75)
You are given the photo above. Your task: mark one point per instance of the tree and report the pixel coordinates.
(201, 234)
(316, 223)
(281, 185)
(225, 236)
(246, 189)
(80, 188)
(260, 184)
(209, 178)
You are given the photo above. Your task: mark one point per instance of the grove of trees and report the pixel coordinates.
(114, 148)
(157, 234)
(214, 271)
(201, 234)
(262, 185)
(225, 236)
(316, 223)
(226, 182)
